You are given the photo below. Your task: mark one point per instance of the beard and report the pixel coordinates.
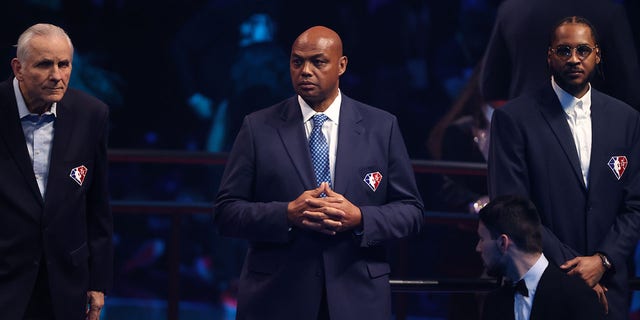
(495, 270)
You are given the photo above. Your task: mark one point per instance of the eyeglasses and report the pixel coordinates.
(564, 51)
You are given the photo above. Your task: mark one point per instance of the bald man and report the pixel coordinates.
(316, 232)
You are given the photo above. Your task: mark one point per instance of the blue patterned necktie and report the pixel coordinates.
(319, 150)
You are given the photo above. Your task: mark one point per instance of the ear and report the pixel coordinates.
(16, 65)
(598, 55)
(549, 53)
(503, 242)
(342, 65)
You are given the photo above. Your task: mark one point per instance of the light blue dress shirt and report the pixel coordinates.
(38, 133)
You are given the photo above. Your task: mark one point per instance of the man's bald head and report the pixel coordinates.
(322, 36)
(316, 66)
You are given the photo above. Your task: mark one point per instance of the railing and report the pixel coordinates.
(176, 211)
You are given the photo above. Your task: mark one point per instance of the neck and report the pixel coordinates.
(322, 105)
(521, 263)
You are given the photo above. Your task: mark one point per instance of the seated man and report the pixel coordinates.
(510, 244)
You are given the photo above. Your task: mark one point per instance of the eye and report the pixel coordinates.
(319, 63)
(296, 62)
(44, 64)
(563, 51)
(64, 64)
(583, 50)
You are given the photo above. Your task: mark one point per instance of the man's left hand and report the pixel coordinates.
(95, 302)
(589, 268)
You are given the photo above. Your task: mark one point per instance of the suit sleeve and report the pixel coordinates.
(496, 66)
(99, 218)
(621, 240)
(236, 213)
(620, 59)
(509, 175)
(402, 215)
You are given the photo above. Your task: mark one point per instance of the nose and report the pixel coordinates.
(574, 58)
(306, 68)
(55, 74)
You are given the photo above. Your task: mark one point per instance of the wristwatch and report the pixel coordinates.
(605, 261)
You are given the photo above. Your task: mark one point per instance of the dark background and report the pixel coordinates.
(145, 58)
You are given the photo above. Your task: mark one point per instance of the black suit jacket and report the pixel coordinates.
(532, 153)
(71, 229)
(516, 55)
(286, 271)
(558, 296)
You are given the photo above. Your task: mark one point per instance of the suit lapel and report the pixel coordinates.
(13, 136)
(599, 123)
(556, 118)
(295, 142)
(349, 131)
(64, 125)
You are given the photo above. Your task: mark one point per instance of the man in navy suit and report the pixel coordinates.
(56, 252)
(316, 245)
(512, 65)
(575, 152)
(510, 244)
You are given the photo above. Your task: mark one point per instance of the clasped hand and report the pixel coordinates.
(328, 215)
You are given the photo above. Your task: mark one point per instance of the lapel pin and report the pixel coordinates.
(373, 179)
(618, 165)
(78, 174)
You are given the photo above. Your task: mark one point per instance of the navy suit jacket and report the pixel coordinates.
(515, 60)
(558, 296)
(71, 229)
(285, 270)
(532, 153)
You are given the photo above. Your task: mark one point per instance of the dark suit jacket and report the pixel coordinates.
(532, 153)
(516, 59)
(458, 191)
(558, 296)
(285, 271)
(71, 230)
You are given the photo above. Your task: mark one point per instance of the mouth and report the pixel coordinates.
(306, 85)
(574, 73)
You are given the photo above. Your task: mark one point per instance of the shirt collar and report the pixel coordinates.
(567, 100)
(532, 277)
(487, 110)
(23, 111)
(333, 112)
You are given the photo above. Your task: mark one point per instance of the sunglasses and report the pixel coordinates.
(564, 51)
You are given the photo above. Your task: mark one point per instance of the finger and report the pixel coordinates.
(318, 191)
(332, 224)
(315, 216)
(330, 192)
(569, 263)
(94, 314)
(334, 213)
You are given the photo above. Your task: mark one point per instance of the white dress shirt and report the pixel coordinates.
(522, 305)
(578, 113)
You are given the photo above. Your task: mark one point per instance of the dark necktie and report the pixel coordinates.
(47, 117)
(521, 288)
(319, 150)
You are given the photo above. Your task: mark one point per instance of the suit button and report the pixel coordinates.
(36, 263)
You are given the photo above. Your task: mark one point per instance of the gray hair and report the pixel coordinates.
(40, 29)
